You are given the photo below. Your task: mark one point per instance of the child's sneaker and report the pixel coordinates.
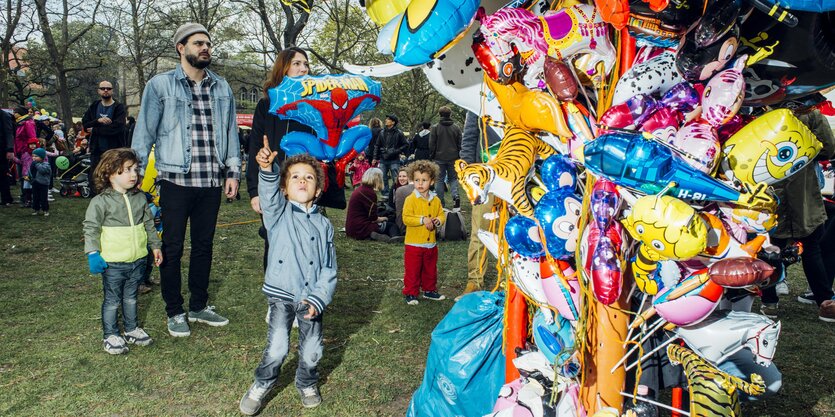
(770, 310)
(310, 396)
(412, 300)
(178, 327)
(807, 298)
(208, 316)
(138, 336)
(252, 400)
(433, 295)
(782, 288)
(115, 345)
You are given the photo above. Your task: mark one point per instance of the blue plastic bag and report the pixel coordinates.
(465, 365)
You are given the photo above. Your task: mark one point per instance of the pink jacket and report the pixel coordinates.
(25, 131)
(359, 168)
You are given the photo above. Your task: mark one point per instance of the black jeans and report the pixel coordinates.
(818, 261)
(40, 197)
(5, 181)
(181, 205)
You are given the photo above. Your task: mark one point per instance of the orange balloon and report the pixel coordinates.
(529, 110)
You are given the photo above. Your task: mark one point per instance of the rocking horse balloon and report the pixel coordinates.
(563, 33)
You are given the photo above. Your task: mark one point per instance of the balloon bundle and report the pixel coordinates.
(626, 173)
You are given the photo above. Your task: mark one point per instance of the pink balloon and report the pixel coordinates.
(565, 298)
(691, 307)
(723, 94)
(663, 124)
(698, 142)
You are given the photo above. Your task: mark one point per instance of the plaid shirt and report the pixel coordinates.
(205, 169)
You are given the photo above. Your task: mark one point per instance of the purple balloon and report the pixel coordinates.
(682, 97)
(630, 113)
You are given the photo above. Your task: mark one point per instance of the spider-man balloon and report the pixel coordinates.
(327, 104)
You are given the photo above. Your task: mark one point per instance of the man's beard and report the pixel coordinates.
(194, 61)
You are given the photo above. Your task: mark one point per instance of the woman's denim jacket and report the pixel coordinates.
(164, 121)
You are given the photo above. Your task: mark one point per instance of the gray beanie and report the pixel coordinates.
(188, 29)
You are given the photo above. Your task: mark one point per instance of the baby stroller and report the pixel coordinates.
(74, 181)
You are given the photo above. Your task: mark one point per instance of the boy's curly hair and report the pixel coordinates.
(111, 163)
(302, 159)
(424, 166)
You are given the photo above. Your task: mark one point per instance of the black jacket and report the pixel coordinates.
(445, 141)
(471, 139)
(372, 146)
(114, 131)
(420, 145)
(266, 123)
(390, 145)
(7, 132)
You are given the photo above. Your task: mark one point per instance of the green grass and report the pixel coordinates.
(52, 363)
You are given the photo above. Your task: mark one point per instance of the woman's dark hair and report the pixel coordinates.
(280, 67)
(375, 122)
(112, 162)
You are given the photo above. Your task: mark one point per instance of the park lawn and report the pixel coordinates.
(52, 363)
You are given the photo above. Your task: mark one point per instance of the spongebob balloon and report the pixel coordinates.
(773, 147)
(667, 228)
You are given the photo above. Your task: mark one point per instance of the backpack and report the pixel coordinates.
(454, 227)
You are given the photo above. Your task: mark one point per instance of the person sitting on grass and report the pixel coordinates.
(301, 273)
(362, 221)
(422, 214)
(118, 228)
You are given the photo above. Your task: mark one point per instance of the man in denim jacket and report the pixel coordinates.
(188, 117)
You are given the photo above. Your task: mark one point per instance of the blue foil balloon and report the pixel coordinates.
(555, 340)
(522, 235)
(558, 171)
(558, 213)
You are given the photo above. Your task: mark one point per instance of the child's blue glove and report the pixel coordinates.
(96, 262)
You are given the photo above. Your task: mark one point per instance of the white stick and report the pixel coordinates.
(677, 410)
(652, 330)
(643, 358)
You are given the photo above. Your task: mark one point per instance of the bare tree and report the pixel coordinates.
(18, 24)
(347, 35)
(140, 25)
(83, 14)
(292, 20)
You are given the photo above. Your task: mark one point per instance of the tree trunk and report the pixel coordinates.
(65, 110)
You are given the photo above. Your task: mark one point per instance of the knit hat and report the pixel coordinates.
(186, 30)
(40, 153)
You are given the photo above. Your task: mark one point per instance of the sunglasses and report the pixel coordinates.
(105, 88)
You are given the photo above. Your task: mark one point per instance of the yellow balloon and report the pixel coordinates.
(771, 148)
(149, 180)
(667, 226)
(382, 11)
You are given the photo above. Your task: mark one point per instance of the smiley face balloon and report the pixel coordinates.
(773, 147)
(558, 213)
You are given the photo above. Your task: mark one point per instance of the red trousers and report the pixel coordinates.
(421, 265)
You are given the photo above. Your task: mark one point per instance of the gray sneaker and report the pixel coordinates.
(138, 337)
(310, 396)
(178, 327)
(252, 400)
(208, 316)
(115, 345)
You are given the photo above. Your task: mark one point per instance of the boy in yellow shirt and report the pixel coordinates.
(422, 214)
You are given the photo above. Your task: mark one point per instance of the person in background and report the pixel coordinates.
(420, 143)
(390, 145)
(422, 214)
(444, 147)
(291, 62)
(107, 118)
(376, 126)
(358, 167)
(7, 136)
(400, 198)
(40, 175)
(472, 144)
(362, 221)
